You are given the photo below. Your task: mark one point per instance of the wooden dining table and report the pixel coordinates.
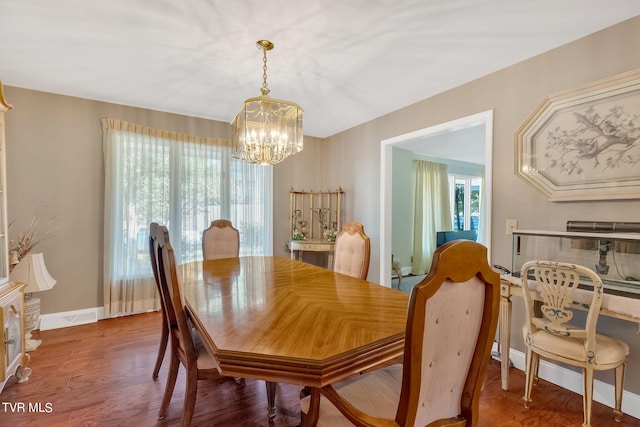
(281, 320)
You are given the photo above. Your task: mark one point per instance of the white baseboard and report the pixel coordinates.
(70, 318)
(566, 378)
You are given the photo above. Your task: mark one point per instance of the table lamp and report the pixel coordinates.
(32, 271)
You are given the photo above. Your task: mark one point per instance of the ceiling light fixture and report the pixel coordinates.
(267, 130)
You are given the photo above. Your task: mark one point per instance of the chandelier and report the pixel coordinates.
(267, 130)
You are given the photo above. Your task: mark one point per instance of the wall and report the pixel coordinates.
(55, 170)
(513, 93)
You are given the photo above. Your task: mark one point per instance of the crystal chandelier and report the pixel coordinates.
(267, 130)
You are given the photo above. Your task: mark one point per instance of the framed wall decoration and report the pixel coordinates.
(584, 144)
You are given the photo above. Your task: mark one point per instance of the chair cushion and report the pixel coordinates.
(608, 350)
(376, 393)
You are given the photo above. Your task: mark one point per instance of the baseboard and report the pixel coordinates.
(70, 318)
(566, 378)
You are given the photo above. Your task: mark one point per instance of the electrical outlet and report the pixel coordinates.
(512, 224)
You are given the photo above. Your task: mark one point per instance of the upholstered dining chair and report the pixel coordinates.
(557, 336)
(451, 323)
(220, 240)
(352, 251)
(186, 348)
(164, 337)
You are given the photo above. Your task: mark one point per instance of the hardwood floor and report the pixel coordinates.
(100, 375)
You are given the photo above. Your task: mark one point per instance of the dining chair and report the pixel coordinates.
(220, 240)
(554, 333)
(186, 348)
(451, 323)
(352, 251)
(164, 337)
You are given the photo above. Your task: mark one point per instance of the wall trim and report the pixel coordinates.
(571, 380)
(65, 319)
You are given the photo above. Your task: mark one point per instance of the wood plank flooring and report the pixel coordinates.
(100, 375)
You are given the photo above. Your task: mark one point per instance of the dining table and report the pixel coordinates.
(281, 320)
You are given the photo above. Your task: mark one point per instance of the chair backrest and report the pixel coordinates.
(451, 325)
(220, 240)
(352, 251)
(153, 256)
(556, 283)
(179, 328)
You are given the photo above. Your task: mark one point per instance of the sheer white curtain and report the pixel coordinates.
(481, 214)
(432, 211)
(181, 181)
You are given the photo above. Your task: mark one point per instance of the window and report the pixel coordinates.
(465, 201)
(183, 182)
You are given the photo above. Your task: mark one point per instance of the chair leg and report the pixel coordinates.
(536, 370)
(190, 393)
(271, 400)
(619, 384)
(529, 374)
(587, 401)
(164, 339)
(174, 364)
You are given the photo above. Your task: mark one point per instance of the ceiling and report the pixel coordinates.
(345, 62)
(466, 144)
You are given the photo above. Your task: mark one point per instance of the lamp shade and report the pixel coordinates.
(32, 271)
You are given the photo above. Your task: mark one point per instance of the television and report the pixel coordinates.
(443, 237)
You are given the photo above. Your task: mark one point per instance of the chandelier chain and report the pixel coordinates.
(265, 89)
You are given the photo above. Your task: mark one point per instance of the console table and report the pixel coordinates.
(300, 246)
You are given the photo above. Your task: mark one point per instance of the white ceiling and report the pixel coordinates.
(466, 144)
(344, 62)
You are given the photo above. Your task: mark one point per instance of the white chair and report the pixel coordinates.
(220, 240)
(451, 323)
(352, 251)
(553, 337)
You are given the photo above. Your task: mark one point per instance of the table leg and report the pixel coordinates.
(330, 261)
(271, 400)
(311, 419)
(505, 339)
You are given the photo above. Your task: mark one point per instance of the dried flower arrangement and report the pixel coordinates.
(27, 240)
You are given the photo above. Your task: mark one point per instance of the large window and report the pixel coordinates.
(183, 182)
(465, 201)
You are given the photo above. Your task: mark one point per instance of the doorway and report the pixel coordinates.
(434, 139)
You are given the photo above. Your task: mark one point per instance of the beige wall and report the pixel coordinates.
(353, 156)
(55, 169)
(55, 160)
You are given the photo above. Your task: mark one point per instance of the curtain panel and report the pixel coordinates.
(181, 181)
(432, 211)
